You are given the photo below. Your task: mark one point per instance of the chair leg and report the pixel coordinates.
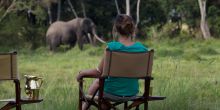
(146, 106)
(80, 94)
(137, 108)
(125, 105)
(18, 107)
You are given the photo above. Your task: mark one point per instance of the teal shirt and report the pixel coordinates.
(123, 86)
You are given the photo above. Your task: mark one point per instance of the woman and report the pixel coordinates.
(124, 27)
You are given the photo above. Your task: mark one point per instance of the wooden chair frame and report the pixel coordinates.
(138, 100)
(18, 101)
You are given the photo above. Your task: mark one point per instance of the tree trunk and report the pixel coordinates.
(128, 7)
(58, 10)
(203, 23)
(138, 13)
(72, 8)
(49, 14)
(117, 7)
(83, 8)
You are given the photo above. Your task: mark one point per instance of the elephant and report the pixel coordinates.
(70, 32)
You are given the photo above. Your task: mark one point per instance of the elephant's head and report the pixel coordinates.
(89, 30)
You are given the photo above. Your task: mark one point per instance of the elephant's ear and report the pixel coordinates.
(87, 23)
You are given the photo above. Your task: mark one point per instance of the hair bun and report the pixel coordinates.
(124, 24)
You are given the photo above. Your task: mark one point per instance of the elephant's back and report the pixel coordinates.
(55, 27)
(75, 22)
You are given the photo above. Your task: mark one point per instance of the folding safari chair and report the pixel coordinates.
(8, 71)
(122, 64)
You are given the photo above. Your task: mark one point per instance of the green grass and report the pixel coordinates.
(187, 73)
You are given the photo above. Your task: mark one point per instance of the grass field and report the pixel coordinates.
(186, 72)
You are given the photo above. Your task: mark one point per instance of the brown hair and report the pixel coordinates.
(124, 24)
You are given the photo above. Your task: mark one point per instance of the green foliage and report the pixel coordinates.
(167, 31)
(170, 30)
(34, 36)
(41, 15)
(17, 32)
(154, 15)
(214, 21)
(10, 31)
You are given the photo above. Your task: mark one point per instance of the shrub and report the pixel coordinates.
(10, 29)
(214, 21)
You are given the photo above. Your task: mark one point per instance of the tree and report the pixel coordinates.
(203, 23)
(138, 13)
(117, 7)
(48, 4)
(72, 8)
(83, 8)
(58, 10)
(128, 7)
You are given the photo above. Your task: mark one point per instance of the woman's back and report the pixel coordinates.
(123, 86)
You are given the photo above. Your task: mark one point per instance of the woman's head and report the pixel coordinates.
(124, 25)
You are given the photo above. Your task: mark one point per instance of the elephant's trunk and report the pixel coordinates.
(99, 39)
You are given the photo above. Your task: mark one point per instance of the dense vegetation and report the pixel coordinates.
(17, 30)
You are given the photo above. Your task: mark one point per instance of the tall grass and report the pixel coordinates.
(187, 73)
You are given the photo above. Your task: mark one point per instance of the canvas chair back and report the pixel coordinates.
(126, 64)
(8, 66)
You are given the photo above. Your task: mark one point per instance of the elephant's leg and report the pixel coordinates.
(51, 46)
(80, 42)
(94, 41)
(73, 43)
(55, 42)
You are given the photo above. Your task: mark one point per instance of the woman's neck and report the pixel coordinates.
(126, 40)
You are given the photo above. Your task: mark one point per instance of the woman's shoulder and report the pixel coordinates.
(113, 45)
(139, 44)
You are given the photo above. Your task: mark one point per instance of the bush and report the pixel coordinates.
(10, 29)
(214, 21)
(214, 26)
(16, 33)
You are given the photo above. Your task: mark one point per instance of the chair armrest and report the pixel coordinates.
(154, 98)
(150, 77)
(147, 77)
(91, 76)
(150, 98)
(27, 100)
(88, 76)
